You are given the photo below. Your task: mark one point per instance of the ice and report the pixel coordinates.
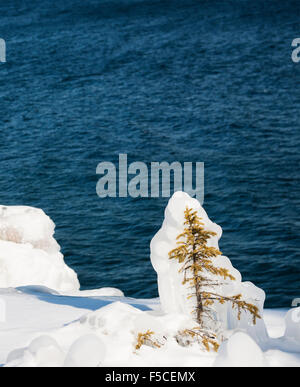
(20, 224)
(109, 318)
(117, 325)
(174, 296)
(48, 322)
(240, 351)
(42, 352)
(29, 255)
(146, 322)
(87, 351)
(292, 321)
(46, 352)
(103, 292)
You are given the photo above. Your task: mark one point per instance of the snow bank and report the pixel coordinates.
(87, 351)
(29, 255)
(174, 296)
(42, 352)
(102, 292)
(108, 336)
(240, 351)
(41, 327)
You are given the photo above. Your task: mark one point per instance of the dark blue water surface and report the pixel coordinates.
(188, 80)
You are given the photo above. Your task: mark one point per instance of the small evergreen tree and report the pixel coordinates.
(203, 277)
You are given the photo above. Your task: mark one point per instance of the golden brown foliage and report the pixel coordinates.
(146, 339)
(188, 336)
(200, 273)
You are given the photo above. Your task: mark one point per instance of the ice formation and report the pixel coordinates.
(42, 352)
(29, 255)
(174, 296)
(240, 351)
(47, 321)
(292, 322)
(102, 292)
(87, 351)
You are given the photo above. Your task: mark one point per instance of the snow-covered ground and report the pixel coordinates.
(58, 330)
(45, 320)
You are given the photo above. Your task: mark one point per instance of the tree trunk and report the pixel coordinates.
(198, 291)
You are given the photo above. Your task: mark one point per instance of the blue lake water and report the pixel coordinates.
(209, 81)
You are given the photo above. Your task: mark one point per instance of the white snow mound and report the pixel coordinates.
(102, 328)
(42, 352)
(240, 351)
(87, 351)
(292, 321)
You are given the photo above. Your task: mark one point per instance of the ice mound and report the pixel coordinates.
(174, 296)
(108, 319)
(292, 322)
(69, 330)
(20, 224)
(108, 337)
(42, 352)
(87, 351)
(240, 351)
(29, 254)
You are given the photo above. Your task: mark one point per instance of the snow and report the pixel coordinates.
(230, 354)
(47, 328)
(29, 255)
(292, 322)
(174, 296)
(46, 321)
(87, 351)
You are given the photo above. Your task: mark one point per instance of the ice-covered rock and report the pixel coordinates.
(240, 351)
(174, 296)
(87, 351)
(20, 224)
(29, 254)
(42, 352)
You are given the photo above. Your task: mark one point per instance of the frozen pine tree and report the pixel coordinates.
(205, 279)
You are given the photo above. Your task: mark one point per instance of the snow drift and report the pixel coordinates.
(29, 255)
(48, 321)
